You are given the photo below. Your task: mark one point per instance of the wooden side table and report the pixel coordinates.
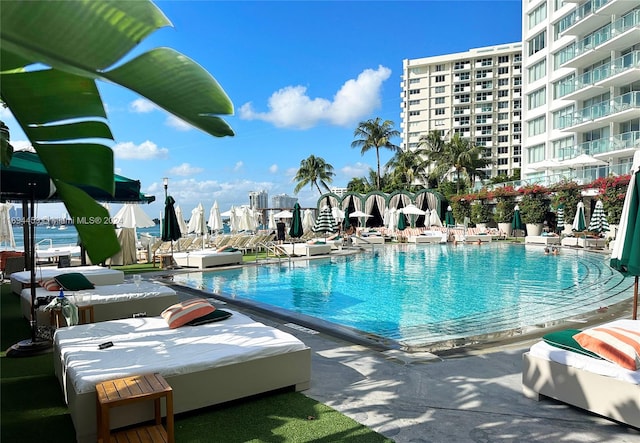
(124, 391)
(57, 319)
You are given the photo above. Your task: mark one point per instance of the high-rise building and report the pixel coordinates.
(283, 201)
(475, 93)
(258, 199)
(581, 113)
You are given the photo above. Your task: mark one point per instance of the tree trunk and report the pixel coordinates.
(378, 158)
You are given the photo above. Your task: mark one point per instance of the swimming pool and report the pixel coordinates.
(419, 295)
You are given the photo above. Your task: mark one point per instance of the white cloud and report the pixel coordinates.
(185, 170)
(356, 170)
(142, 106)
(22, 145)
(175, 123)
(273, 168)
(144, 151)
(291, 107)
(238, 166)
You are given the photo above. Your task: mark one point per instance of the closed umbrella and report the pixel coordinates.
(598, 222)
(196, 222)
(434, 219)
(579, 223)
(393, 219)
(272, 222)
(325, 222)
(448, 217)
(516, 222)
(170, 228)
(6, 228)
(296, 229)
(181, 222)
(215, 218)
(626, 251)
(560, 219)
(307, 220)
(402, 223)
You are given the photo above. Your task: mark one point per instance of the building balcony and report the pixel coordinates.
(593, 15)
(624, 32)
(621, 71)
(618, 109)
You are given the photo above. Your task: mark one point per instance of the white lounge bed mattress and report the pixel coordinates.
(205, 365)
(207, 258)
(98, 275)
(110, 301)
(589, 383)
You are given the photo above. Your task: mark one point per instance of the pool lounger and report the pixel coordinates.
(97, 275)
(206, 259)
(207, 365)
(542, 240)
(306, 249)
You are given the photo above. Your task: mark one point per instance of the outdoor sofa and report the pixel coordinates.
(599, 386)
(205, 365)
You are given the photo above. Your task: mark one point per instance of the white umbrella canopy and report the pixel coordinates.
(392, 222)
(359, 214)
(131, 215)
(307, 220)
(545, 164)
(412, 209)
(583, 160)
(283, 214)
(434, 218)
(337, 214)
(181, 222)
(215, 219)
(272, 222)
(6, 228)
(196, 222)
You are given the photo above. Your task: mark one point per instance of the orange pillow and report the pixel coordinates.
(50, 284)
(615, 344)
(182, 313)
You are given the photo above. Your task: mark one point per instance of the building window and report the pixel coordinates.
(413, 81)
(414, 113)
(462, 120)
(538, 15)
(503, 105)
(414, 102)
(537, 71)
(503, 139)
(439, 90)
(460, 65)
(439, 100)
(503, 59)
(439, 78)
(414, 91)
(503, 127)
(503, 82)
(439, 68)
(439, 111)
(482, 96)
(482, 73)
(517, 58)
(486, 62)
(537, 98)
(536, 153)
(517, 81)
(480, 119)
(517, 151)
(562, 148)
(536, 126)
(563, 118)
(564, 86)
(537, 43)
(439, 122)
(460, 87)
(503, 93)
(503, 116)
(503, 70)
(503, 161)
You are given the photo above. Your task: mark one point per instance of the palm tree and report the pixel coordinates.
(314, 171)
(457, 155)
(376, 134)
(408, 166)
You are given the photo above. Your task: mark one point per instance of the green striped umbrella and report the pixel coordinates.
(579, 223)
(626, 251)
(325, 222)
(448, 217)
(560, 219)
(516, 222)
(296, 230)
(598, 222)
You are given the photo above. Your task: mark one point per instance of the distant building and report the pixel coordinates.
(339, 191)
(259, 199)
(476, 94)
(283, 201)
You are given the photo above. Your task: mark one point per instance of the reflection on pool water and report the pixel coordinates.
(416, 295)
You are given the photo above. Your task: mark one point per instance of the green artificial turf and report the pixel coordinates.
(32, 408)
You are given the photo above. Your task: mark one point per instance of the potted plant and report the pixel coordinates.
(567, 194)
(461, 206)
(481, 213)
(534, 207)
(504, 213)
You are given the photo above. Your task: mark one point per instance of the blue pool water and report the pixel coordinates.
(418, 295)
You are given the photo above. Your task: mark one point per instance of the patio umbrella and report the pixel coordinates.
(131, 215)
(448, 217)
(516, 222)
(402, 223)
(626, 251)
(272, 222)
(583, 160)
(392, 222)
(598, 222)
(560, 219)
(6, 228)
(358, 214)
(196, 222)
(181, 222)
(413, 211)
(215, 219)
(434, 219)
(579, 223)
(325, 222)
(170, 227)
(283, 214)
(307, 220)
(296, 229)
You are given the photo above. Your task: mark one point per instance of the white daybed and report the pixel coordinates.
(473, 238)
(205, 365)
(542, 240)
(109, 301)
(306, 249)
(429, 237)
(368, 240)
(207, 258)
(98, 275)
(596, 385)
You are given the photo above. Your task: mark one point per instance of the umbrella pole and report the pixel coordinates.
(635, 300)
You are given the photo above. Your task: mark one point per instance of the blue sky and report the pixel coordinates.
(301, 75)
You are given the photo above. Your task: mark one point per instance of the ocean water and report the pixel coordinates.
(55, 237)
